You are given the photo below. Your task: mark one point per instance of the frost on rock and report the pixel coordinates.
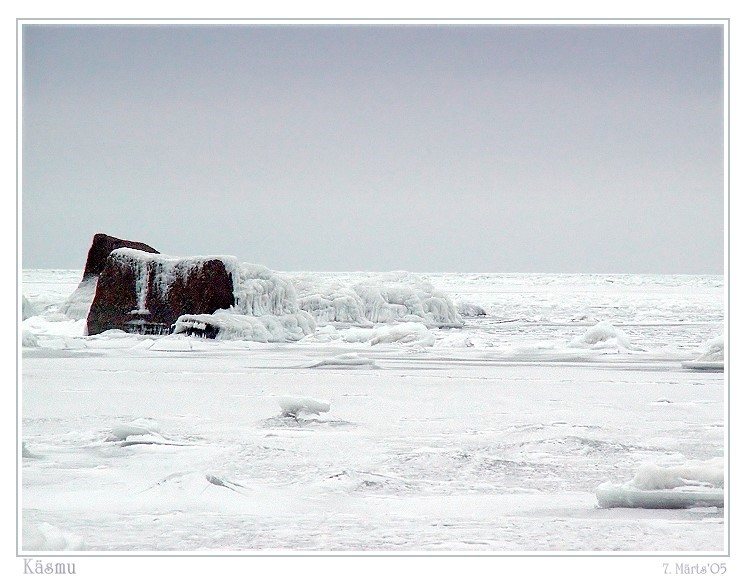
(691, 484)
(380, 298)
(602, 336)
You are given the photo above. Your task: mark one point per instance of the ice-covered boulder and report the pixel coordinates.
(144, 292)
(265, 310)
(101, 248)
(78, 304)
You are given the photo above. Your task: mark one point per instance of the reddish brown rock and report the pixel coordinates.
(78, 304)
(102, 246)
(142, 292)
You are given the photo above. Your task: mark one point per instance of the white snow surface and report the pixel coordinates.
(498, 436)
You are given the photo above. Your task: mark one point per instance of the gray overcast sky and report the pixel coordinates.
(588, 148)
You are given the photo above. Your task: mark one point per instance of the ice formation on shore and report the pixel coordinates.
(233, 325)
(269, 307)
(384, 298)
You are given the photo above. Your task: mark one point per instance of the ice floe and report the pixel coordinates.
(686, 485)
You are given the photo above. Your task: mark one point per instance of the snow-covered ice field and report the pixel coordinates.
(398, 436)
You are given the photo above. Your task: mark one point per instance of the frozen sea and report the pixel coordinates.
(491, 437)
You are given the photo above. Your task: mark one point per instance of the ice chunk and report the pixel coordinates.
(295, 405)
(405, 333)
(626, 496)
(139, 427)
(711, 359)
(470, 310)
(46, 537)
(351, 359)
(78, 304)
(29, 339)
(714, 350)
(227, 325)
(602, 336)
(27, 309)
(691, 484)
(652, 476)
(26, 453)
